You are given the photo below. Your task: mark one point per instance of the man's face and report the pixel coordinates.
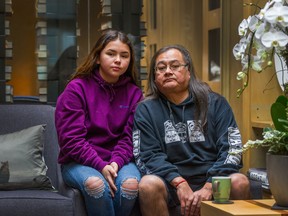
(171, 73)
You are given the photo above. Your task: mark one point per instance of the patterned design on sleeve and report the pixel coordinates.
(235, 143)
(136, 152)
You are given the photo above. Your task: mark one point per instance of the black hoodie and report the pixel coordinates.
(168, 141)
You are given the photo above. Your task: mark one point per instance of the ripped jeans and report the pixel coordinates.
(99, 201)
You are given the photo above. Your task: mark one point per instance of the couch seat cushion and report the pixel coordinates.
(34, 202)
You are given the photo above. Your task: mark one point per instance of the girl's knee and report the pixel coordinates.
(129, 188)
(94, 186)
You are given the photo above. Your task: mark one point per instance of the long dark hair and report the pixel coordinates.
(89, 63)
(198, 89)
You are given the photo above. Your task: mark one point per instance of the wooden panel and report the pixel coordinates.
(211, 20)
(177, 23)
(214, 19)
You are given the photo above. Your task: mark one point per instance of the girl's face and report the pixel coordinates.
(114, 60)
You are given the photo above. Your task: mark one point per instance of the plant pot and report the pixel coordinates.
(278, 177)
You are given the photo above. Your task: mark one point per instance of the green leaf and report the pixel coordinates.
(282, 100)
(278, 111)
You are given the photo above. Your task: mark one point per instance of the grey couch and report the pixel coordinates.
(66, 201)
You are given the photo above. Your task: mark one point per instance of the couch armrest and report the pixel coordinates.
(73, 193)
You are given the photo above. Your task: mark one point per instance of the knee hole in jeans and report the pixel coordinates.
(129, 188)
(94, 186)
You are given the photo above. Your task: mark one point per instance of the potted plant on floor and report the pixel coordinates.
(276, 140)
(264, 39)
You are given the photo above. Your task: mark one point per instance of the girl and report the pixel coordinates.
(94, 120)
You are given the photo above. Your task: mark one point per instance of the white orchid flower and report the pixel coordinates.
(242, 29)
(274, 38)
(260, 30)
(262, 54)
(280, 49)
(239, 49)
(253, 24)
(277, 14)
(263, 10)
(256, 63)
(262, 35)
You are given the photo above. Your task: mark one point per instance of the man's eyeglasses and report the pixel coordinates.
(175, 67)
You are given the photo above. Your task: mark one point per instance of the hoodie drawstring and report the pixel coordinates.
(111, 90)
(171, 114)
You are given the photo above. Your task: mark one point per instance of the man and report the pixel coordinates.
(183, 135)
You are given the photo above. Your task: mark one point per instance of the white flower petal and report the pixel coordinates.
(257, 64)
(274, 38)
(277, 13)
(260, 30)
(253, 24)
(242, 29)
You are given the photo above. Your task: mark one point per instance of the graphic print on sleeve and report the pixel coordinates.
(136, 152)
(235, 143)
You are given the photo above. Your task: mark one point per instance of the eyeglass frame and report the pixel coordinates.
(169, 66)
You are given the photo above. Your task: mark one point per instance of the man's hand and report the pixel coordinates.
(205, 193)
(186, 198)
(191, 201)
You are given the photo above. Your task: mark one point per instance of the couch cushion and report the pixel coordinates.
(17, 117)
(34, 202)
(21, 160)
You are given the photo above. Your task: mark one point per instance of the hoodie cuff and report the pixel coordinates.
(119, 161)
(101, 165)
(209, 180)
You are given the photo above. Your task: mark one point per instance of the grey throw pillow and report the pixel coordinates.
(22, 165)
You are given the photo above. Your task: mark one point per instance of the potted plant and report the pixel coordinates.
(264, 38)
(276, 140)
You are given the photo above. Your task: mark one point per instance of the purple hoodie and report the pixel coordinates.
(94, 121)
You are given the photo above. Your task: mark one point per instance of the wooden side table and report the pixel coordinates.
(241, 207)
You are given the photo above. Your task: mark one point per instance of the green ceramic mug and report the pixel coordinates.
(221, 186)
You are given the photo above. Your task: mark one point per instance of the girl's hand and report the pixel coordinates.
(110, 174)
(115, 166)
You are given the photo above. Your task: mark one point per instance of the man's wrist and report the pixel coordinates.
(177, 181)
(208, 186)
(180, 182)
